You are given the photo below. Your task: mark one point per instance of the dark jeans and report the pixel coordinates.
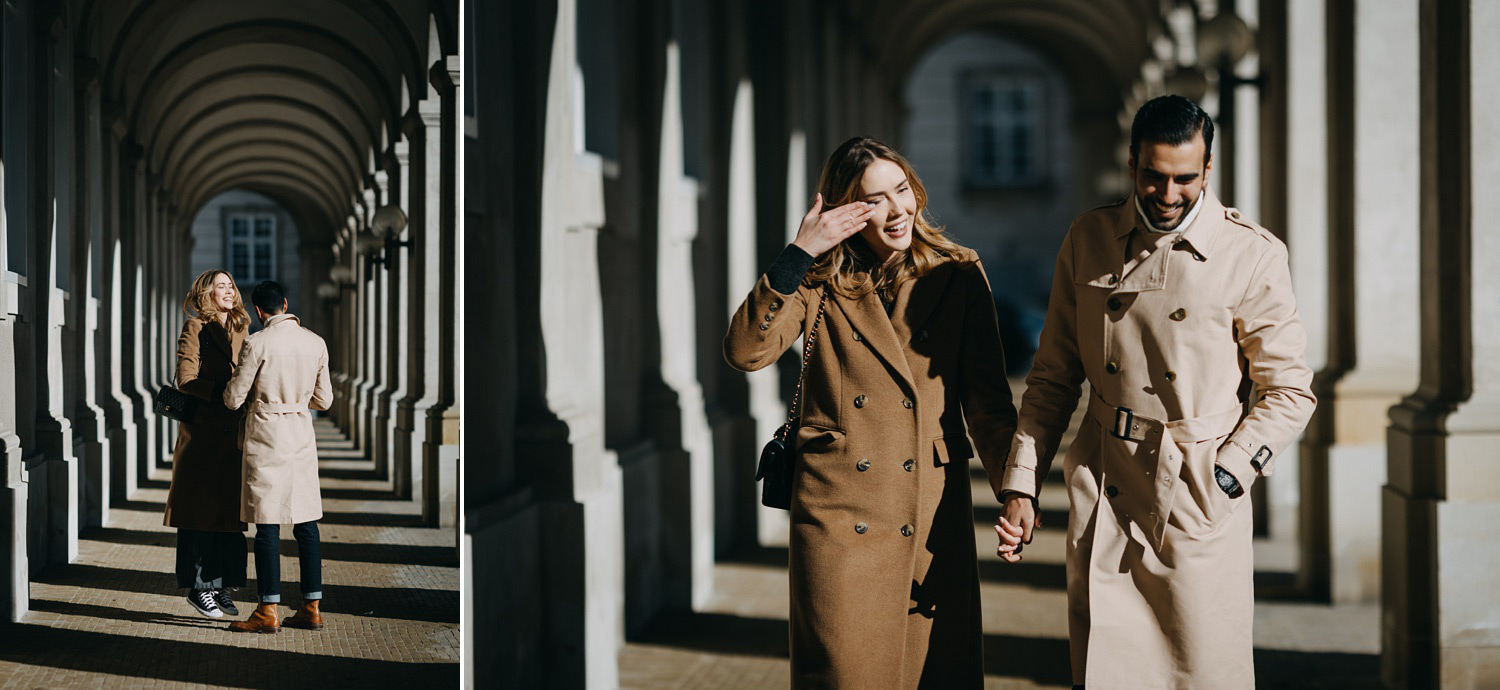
(210, 560)
(268, 561)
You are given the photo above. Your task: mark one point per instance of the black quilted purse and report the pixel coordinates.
(173, 403)
(779, 456)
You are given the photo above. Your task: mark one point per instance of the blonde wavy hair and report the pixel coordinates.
(851, 267)
(200, 302)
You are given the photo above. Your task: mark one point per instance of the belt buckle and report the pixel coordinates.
(1124, 419)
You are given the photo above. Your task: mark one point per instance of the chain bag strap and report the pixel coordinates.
(779, 456)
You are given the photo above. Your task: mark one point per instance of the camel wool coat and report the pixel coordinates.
(284, 373)
(205, 491)
(884, 586)
(1171, 330)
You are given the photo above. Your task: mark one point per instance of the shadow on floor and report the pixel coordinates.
(209, 664)
(404, 603)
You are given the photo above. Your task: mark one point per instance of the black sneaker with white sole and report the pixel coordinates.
(203, 602)
(221, 597)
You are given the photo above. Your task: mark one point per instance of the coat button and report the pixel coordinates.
(921, 336)
(862, 465)
(1113, 279)
(907, 403)
(765, 326)
(774, 306)
(1111, 491)
(1178, 315)
(857, 337)
(906, 530)
(1171, 375)
(859, 401)
(1114, 304)
(1112, 368)
(861, 528)
(909, 465)
(770, 316)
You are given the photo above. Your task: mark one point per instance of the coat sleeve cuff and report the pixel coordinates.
(788, 270)
(1020, 480)
(1236, 461)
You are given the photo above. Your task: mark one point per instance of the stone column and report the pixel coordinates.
(687, 486)
(370, 344)
(381, 340)
(398, 267)
(1304, 189)
(137, 332)
(1374, 284)
(94, 452)
(119, 408)
(440, 442)
(52, 218)
(14, 570)
(1440, 605)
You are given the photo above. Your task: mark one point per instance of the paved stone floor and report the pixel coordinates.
(115, 617)
(739, 640)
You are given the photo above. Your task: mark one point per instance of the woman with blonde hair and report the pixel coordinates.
(204, 500)
(905, 350)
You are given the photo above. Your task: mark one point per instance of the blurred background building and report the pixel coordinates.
(145, 141)
(633, 165)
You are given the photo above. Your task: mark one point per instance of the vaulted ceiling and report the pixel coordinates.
(290, 98)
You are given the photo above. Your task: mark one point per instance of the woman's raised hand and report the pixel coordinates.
(821, 232)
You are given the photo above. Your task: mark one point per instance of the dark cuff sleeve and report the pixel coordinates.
(790, 267)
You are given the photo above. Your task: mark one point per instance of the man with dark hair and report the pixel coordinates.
(1167, 303)
(283, 371)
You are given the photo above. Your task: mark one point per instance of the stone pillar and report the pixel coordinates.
(119, 408)
(1304, 189)
(137, 329)
(381, 338)
(440, 442)
(1440, 605)
(370, 345)
(14, 570)
(1374, 284)
(398, 337)
(94, 451)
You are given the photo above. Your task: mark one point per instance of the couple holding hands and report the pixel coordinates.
(1176, 310)
(249, 455)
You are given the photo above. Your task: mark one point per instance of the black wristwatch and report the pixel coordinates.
(1227, 482)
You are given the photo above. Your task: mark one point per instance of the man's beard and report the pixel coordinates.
(1154, 209)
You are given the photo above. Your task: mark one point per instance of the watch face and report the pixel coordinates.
(1226, 481)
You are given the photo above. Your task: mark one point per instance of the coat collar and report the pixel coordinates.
(220, 336)
(283, 316)
(1200, 235)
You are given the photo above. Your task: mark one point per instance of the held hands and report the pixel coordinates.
(822, 231)
(1015, 525)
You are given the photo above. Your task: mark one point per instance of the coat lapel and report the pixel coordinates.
(916, 300)
(220, 337)
(869, 319)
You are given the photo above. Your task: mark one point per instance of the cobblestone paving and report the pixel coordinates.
(115, 617)
(739, 640)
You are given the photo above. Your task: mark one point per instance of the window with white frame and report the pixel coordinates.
(252, 247)
(1003, 115)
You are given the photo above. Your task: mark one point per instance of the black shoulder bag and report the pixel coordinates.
(780, 454)
(175, 404)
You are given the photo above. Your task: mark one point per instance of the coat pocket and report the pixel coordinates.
(947, 450)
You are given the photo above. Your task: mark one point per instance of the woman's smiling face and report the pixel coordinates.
(223, 292)
(884, 186)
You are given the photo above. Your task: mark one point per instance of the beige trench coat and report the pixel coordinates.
(884, 586)
(286, 367)
(1159, 557)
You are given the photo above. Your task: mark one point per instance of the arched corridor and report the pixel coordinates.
(144, 141)
(663, 158)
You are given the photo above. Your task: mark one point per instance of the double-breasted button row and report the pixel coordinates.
(862, 465)
(859, 401)
(1112, 367)
(907, 403)
(909, 465)
(862, 527)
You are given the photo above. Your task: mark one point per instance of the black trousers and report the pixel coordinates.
(268, 561)
(210, 560)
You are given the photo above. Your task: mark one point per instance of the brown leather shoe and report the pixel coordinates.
(266, 618)
(308, 617)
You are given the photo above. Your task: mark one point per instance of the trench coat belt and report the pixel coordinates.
(1122, 424)
(280, 408)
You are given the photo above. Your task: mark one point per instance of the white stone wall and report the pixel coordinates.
(210, 248)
